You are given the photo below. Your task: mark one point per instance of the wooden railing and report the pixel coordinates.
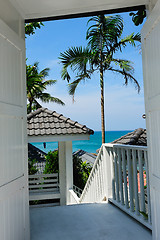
(120, 175)
(43, 186)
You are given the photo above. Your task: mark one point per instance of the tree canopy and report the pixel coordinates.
(37, 86)
(104, 39)
(81, 170)
(138, 17)
(31, 27)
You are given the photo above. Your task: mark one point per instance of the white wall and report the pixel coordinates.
(14, 214)
(151, 5)
(11, 17)
(151, 66)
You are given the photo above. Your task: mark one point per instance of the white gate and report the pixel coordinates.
(14, 211)
(151, 66)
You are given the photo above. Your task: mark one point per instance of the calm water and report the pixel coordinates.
(88, 145)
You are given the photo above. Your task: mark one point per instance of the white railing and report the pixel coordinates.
(96, 186)
(120, 175)
(43, 186)
(77, 190)
(40, 166)
(73, 198)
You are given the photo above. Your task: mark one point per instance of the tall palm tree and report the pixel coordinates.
(36, 86)
(104, 40)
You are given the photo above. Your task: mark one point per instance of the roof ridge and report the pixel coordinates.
(136, 135)
(32, 114)
(72, 122)
(64, 124)
(48, 111)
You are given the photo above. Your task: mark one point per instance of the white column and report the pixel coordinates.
(65, 170)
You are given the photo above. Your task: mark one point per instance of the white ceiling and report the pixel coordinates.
(32, 9)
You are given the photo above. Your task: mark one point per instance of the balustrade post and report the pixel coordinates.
(107, 172)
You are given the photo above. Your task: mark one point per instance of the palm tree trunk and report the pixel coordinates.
(102, 105)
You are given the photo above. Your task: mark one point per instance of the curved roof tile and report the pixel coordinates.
(46, 122)
(137, 137)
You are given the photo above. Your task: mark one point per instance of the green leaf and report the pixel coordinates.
(37, 87)
(31, 27)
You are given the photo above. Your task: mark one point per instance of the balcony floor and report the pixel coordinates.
(85, 221)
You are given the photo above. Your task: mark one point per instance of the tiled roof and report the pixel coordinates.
(45, 122)
(85, 156)
(137, 137)
(36, 153)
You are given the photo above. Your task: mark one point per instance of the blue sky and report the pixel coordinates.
(124, 107)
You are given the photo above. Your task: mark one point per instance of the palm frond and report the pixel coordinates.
(36, 85)
(131, 39)
(57, 100)
(75, 58)
(127, 77)
(103, 40)
(124, 64)
(49, 82)
(46, 98)
(45, 72)
(73, 86)
(106, 31)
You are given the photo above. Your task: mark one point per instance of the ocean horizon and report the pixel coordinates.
(87, 145)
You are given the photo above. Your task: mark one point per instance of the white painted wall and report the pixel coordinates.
(14, 209)
(150, 6)
(47, 8)
(12, 17)
(151, 66)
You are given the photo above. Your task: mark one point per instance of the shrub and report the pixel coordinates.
(81, 170)
(51, 162)
(31, 168)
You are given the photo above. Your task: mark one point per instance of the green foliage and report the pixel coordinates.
(31, 168)
(104, 40)
(51, 163)
(37, 86)
(31, 27)
(81, 170)
(138, 17)
(145, 215)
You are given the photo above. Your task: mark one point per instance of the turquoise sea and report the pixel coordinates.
(88, 145)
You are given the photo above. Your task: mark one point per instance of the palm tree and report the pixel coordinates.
(36, 85)
(104, 40)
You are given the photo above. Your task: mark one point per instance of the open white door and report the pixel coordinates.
(151, 67)
(14, 211)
